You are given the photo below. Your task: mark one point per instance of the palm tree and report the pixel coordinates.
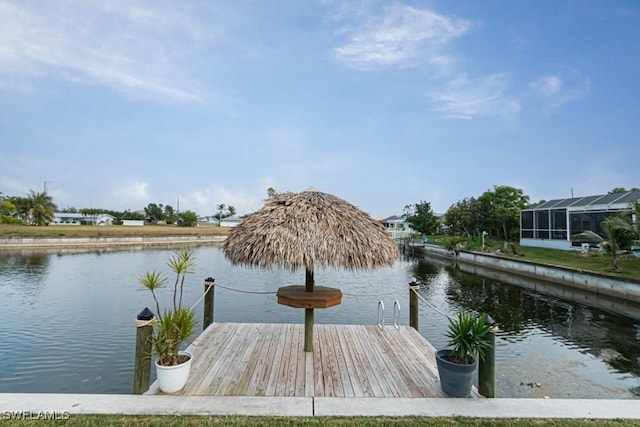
(40, 208)
(220, 207)
(635, 219)
(614, 228)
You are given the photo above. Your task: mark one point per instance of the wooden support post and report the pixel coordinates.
(413, 304)
(142, 370)
(487, 366)
(209, 300)
(308, 329)
(308, 314)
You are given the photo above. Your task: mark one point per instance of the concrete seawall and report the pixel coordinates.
(627, 289)
(67, 242)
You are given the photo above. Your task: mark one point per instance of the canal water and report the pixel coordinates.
(67, 319)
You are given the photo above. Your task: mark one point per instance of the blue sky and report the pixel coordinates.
(117, 104)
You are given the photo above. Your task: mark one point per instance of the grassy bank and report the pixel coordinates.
(107, 420)
(51, 231)
(629, 266)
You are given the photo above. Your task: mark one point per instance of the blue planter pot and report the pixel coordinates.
(455, 379)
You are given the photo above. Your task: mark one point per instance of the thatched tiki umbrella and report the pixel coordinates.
(310, 230)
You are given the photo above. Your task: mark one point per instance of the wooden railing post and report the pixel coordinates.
(413, 304)
(142, 370)
(209, 301)
(487, 366)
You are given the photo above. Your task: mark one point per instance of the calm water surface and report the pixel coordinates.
(67, 320)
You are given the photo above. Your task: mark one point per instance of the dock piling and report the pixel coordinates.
(413, 303)
(487, 366)
(209, 301)
(142, 369)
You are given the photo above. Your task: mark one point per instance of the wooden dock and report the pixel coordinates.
(248, 359)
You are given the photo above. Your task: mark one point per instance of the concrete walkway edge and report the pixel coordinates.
(72, 404)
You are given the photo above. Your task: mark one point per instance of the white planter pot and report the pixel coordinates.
(173, 378)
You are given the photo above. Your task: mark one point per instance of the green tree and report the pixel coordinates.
(224, 211)
(132, 215)
(40, 208)
(8, 211)
(619, 190)
(271, 192)
(91, 211)
(169, 214)
(500, 210)
(154, 213)
(421, 218)
(463, 217)
(187, 219)
(7, 208)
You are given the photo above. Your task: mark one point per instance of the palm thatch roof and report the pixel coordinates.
(309, 230)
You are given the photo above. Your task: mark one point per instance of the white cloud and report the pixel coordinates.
(205, 201)
(133, 194)
(547, 86)
(555, 91)
(464, 98)
(401, 36)
(138, 48)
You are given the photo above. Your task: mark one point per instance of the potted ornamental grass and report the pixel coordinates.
(469, 337)
(174, 325)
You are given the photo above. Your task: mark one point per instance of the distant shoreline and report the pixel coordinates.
(76, 242)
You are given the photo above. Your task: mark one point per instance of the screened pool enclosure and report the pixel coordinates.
(551, 224)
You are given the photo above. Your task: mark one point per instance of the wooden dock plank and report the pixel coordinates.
(364, 368)
(348, 387)
(203, 367)
(388, 368)
(274, 374)
(327, 363)
(379, 369)
(258, 383)
(247, 365)
(222, 368)
(425, 365)
(234, 359)
(412, 374)
(301, 372)
(292, 367)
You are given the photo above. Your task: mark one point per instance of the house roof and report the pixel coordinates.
(79, 215)
(613, 200)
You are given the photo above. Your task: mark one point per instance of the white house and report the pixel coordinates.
(397, 226)
(230, 221)
(66, 218)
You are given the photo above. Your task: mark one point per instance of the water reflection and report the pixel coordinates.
(29, 270)
(523, 315)
(66, 319)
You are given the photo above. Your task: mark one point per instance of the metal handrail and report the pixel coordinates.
(381, 315)
(396, 314)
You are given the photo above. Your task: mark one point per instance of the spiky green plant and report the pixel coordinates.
(468, 336)
(176, 325)
(614, 228)
(171, 330)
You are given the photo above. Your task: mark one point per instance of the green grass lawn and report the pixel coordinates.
(8, 230)
(108, 420)
(629, 266)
